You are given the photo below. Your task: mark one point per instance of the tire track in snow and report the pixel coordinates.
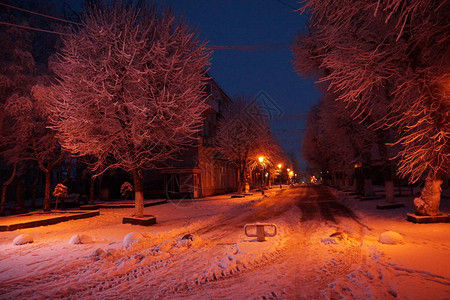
(173, 272)
(307, 274)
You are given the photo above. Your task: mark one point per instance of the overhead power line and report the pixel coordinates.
(33, 28)
(249, 48)
(254, 47)
(39, 14)
(286, 4)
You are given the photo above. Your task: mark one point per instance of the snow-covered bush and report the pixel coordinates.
(60, 191)
(80, 239)
(391, 238)
(126, 189)
(131, 238)
(23, 239)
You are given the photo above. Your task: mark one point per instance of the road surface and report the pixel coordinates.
(319, 240)
(304, 267)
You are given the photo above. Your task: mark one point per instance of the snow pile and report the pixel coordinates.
(23, 239)
(391, 238)
(241, 256)
(334, 238)
(188, 240)
(131, 238)
(80, 239)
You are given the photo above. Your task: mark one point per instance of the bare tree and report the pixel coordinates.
(333, 141)
(29, 138)
(129, 89)
(17, 74)
(389, 56)
(242, 135)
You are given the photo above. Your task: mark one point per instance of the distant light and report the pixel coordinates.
(288, 170)
(279, 166)
(261, 159)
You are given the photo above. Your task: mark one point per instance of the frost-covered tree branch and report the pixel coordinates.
(388, 59)
(243, 134)
(130, 89)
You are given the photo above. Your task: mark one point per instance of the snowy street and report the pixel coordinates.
(322, 250)
(224, 149)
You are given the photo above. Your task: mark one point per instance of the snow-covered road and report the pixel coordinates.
(323, 249)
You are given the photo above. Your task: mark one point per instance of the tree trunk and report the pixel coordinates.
(389, 188)
(239, 186)
(91, 190)
(48, 179)
(138, 194)
(4, 189)
(104, 187)
(241, 181)
(428, 202)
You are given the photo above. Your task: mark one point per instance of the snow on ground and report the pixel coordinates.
(417, 268)
(307, 260)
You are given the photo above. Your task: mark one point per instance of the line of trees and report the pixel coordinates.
(25, 139)
(387, 63)
(124, 90)
(243, 135)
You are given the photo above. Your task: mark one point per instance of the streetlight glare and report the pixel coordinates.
(261, 159)
(279, 166)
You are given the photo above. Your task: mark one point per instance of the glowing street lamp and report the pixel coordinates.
(290, 175)
(279, 174)
(261, 160)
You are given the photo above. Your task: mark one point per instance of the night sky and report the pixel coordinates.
(268, 70)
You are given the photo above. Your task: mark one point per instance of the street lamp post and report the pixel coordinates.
(279, 174)
(261, 160)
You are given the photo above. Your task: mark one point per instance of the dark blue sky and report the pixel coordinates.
(244, 22)
(268, 71)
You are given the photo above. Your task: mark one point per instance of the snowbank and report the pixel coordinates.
(23, 239)
(80, 239)
(391, 238)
